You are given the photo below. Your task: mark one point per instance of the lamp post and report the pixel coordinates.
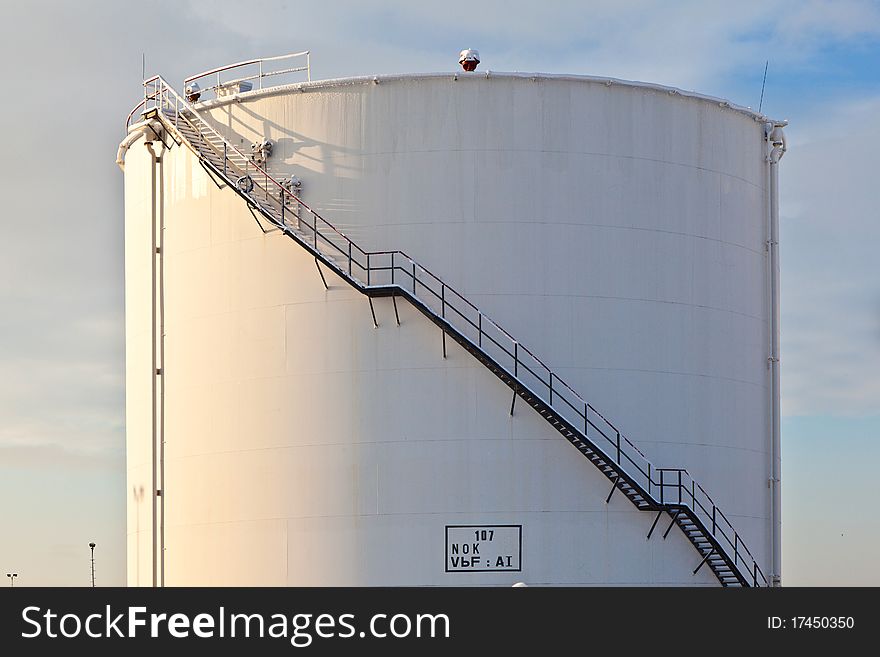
(92, 546)
(12, 577)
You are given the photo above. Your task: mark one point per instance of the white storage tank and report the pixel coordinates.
(618, 231)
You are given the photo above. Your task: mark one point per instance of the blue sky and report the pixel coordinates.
(72, 72)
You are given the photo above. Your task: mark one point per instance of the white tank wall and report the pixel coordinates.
(138, 364)
(617, 231)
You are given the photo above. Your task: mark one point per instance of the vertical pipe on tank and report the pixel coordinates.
(776, 140)
(154, 427)
(161, 349)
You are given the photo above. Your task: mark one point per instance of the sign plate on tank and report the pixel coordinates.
(483, 548)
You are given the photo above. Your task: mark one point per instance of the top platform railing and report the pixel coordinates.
(256, 70)
(259, 69)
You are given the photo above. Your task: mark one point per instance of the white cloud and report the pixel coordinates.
(805, 21)
(831, 272)
(690, 44)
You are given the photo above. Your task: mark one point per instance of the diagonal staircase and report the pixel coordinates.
(670, 492)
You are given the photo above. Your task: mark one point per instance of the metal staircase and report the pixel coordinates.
(395, 274)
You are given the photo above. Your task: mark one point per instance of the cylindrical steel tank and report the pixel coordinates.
(618, 230)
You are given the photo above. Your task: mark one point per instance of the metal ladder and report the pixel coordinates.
(395, 274)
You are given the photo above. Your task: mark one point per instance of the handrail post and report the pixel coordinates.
(516, 359)
(618, 447)
(649, 477)
(551, 388)
(479, 329)
(392, 266)
(368, 269)
(261, 74)
(443, 300)
(679, 489)
(713, 519)
(349, 257)
(661, 486)
(735, 546)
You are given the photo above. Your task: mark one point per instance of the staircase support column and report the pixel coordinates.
(372, 312)
(674, 518)
(613, 488)
(654, 524)
(324, 280)
(705, 559)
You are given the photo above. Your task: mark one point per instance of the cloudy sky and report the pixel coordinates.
(71, 71)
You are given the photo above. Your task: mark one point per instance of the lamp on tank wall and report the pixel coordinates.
(469, 58)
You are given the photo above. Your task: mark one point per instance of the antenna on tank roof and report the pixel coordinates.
(92, 547)
(761, 103)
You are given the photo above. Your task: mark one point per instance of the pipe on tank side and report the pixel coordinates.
(137, 130)
(160, 336)
(158, 357)
(153, 160)
(776, 142)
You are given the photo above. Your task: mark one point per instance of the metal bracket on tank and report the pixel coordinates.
(373, 312)
(321, 274)
(674, 518)
(154, 114)
(705, 559)
(396, 315)
(654, 524)
(257, 219)
(211, 175)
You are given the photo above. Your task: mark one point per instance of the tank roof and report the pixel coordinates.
(591, 79)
